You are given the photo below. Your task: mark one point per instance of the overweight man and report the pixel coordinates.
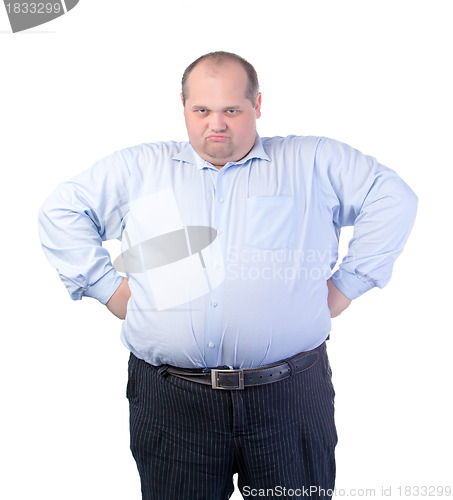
(225, 286)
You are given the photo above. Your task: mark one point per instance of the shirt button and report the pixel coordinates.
(217, 265)
(219, 231)
(211, 345)
(221, 200)
(214, 303)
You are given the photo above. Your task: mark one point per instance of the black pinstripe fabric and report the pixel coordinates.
(189, 439)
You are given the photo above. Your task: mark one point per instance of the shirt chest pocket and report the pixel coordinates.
(270, 222)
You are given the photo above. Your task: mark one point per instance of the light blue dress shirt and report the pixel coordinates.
(227, 267)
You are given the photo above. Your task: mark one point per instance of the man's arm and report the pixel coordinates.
(336, 301)
(363, 193)
(74, 221)
(117, 304)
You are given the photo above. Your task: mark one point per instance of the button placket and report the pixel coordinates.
(214, 311)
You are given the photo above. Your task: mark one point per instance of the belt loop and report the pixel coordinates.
(292, 367)
(162, 370)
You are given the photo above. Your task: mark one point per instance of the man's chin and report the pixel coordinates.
(217, 157)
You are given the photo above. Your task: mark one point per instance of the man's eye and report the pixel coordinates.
(232, 111)
(202, 111)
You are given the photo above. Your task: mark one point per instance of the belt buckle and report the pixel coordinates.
(237, 375)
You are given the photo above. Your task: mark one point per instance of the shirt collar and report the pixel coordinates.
(188, 155)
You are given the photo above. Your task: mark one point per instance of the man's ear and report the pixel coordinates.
(258, 106)
(182, 99)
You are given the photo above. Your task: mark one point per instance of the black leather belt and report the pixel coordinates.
(231, 379)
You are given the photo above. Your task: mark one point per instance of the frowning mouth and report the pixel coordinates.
(217, 138)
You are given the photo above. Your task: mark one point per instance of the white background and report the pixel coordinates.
(374, 74)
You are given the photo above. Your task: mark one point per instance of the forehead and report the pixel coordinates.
(210, 79)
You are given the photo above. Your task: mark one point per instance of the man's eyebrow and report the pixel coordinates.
(198, 107)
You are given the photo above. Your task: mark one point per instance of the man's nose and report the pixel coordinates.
(217, 122)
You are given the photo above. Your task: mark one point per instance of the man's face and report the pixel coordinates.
(220, 120)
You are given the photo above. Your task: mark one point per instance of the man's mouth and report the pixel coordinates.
(217, 138)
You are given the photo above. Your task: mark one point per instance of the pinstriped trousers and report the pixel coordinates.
(189, 439)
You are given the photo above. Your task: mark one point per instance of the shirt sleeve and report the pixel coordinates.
(361, 192)
(76, 218)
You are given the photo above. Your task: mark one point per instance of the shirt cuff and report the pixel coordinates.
(350, 284)
(104, 288)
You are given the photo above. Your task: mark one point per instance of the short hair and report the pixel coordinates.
(219, 57)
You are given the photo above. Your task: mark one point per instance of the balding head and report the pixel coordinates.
(213, 61)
